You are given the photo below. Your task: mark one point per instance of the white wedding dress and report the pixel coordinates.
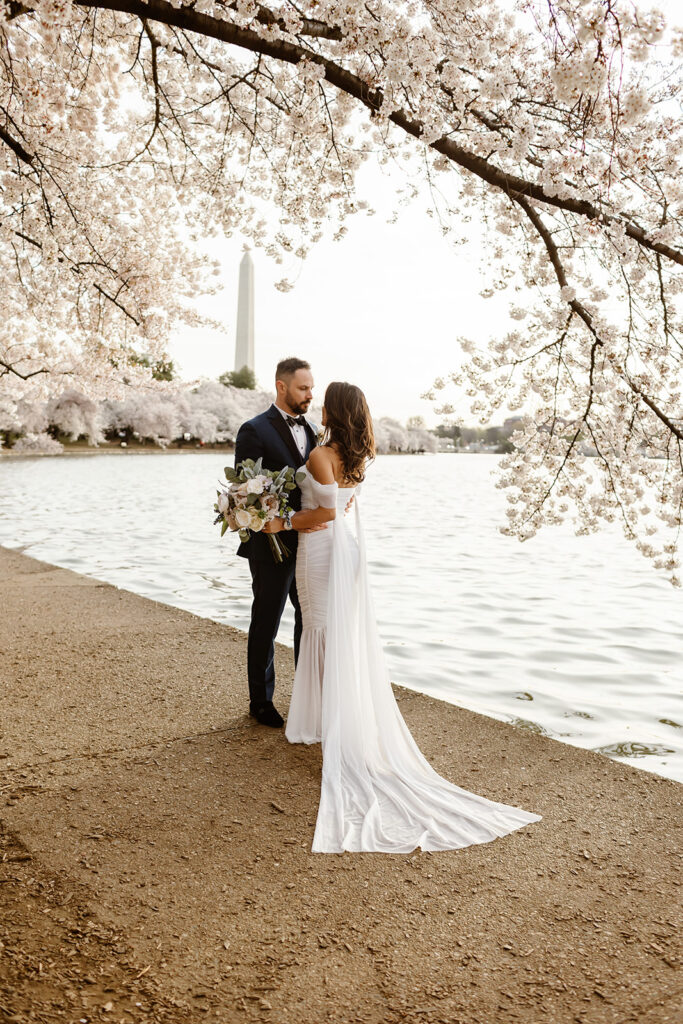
(378, 792)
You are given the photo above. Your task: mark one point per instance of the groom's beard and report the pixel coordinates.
(299, 408)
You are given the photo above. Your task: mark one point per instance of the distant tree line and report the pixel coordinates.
(496, 439)
(207, 414)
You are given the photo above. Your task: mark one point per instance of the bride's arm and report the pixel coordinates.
(310, 517)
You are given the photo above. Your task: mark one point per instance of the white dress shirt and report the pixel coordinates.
(298, 432)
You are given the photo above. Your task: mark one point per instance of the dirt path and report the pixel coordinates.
(157, 861)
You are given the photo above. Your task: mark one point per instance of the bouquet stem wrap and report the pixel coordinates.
(278, 547)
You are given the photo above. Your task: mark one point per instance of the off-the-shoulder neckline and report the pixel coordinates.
(333, 484)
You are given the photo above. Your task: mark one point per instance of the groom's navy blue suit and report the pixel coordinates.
(268, 437)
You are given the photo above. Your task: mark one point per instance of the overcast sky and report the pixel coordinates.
(381, 308)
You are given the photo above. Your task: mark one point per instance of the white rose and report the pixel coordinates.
(223, 502)
(256, 524)
(255, 486)
(242, 518)
(243, 488)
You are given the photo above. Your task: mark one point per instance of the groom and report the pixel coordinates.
(281, 437)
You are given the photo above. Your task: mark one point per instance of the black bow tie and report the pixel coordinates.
(296, 421)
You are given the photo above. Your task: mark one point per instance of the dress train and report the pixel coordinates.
(378, 791)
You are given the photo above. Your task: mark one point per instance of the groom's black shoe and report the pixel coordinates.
(267, 714)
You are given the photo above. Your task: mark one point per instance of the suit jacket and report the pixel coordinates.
(268, 437)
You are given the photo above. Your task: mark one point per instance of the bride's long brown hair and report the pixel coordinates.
(349, 429)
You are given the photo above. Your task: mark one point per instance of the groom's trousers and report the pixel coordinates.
(271, 583)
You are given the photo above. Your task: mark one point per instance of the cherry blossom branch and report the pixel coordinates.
(554, 256)
(116, 302)
(675, 430)
(583, 313)
(16, 148)
(372, 98)
(154, 45)
(309, 26)
(8, 368)
(76, 268)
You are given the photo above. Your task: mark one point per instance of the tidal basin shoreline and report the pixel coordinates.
(157, 835)
(575, 637)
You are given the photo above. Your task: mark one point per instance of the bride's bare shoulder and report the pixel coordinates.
(322, 464)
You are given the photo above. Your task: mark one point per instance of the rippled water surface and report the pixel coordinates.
(574, 637)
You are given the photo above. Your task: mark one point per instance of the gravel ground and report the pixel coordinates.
(155, 858)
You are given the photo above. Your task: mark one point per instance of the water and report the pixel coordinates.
(574, 637)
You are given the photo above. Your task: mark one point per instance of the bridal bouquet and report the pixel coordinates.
(254, 496)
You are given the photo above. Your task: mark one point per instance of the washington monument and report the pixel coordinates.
(244, 340)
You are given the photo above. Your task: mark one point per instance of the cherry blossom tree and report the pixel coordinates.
(208, 413)
(231, 406)
(76, 415)
(130, 128)
(392, 436)
(37, 444)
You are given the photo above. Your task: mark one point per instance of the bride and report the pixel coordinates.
(378, 791)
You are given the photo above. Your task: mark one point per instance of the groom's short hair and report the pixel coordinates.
(286, 368)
